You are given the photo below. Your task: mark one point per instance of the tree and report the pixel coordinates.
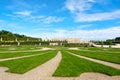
(110, 44)
(102, 43)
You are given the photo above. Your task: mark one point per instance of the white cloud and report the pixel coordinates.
(23, 13)
(40, 17)
(80, 17)
(79, 9)
(78, 5)
(44, 19)
(102, 34)
(28, 16)
(84, 26)
(51, 19)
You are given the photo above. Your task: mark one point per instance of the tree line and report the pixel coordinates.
(108, 41)
(7, 36)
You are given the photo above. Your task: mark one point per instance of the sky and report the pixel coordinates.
(84, 19)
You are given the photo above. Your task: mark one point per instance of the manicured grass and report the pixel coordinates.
(91, 48)
(23, 65)
(100, 49)
(71, 66)
(61, 48)
(18, 48)
(18, 54)
(110, 57)
(114, 49)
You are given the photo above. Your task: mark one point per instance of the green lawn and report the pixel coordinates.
(93, 49)
(71, 66)
(18, 48)
(23, 65)
(110, 57)
(17, 54)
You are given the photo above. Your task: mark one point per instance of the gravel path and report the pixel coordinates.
(73, 49)
(117, 66)
(45, 48)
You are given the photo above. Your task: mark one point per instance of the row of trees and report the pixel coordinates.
(108, 41)
(9, 36)
(46, 43)
(116, 40)
(26, 43)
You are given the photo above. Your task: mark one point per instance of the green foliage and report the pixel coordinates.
(45, 43)
(108, 41)
(30, 43)
(9, 36)
(117, 39)
(9, 43)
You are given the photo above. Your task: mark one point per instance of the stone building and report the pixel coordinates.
(69, 40)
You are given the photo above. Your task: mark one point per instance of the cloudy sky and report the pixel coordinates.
(85, 19)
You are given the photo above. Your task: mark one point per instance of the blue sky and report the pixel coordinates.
(84, 19)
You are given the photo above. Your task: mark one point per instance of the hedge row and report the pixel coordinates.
(24, 43)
